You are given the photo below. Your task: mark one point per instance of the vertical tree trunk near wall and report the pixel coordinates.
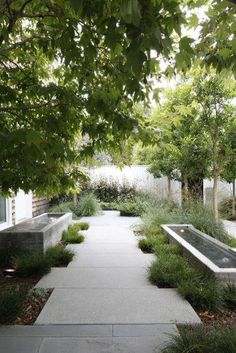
(75, 199)
(185, 189)
(233, 201)
(214, 196)
(169, 189)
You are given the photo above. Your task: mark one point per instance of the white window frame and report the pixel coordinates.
(8, 222)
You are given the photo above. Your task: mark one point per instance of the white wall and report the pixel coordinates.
(225, 190)
(23, 206)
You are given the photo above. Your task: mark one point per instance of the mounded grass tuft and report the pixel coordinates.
(201, 291)
(167, 270)
(11, 303)
(169, 248)
(72, 236)
(31, 265)
(200, 339)
(83, 225)
(146, 245)
(59, 256)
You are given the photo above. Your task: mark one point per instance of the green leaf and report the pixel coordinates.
(193, 21)
(184, 44)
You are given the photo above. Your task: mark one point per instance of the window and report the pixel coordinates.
(3, 212)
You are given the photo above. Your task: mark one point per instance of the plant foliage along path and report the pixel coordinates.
(103, 295)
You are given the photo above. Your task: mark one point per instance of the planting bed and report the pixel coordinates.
(33, 302)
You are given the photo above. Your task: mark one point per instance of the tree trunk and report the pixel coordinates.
(185, 189)
(233, 201)
(169, 190)
(75, 199)
(215, 198)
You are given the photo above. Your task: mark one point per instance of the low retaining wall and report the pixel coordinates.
(36, 234)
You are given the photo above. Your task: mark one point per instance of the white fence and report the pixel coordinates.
(139, 176)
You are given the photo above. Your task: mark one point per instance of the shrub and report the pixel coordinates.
(229, 296)
(59, 256)
(87, 205)
(200, 339)
(110, 190)
(130, 208)
(166, 271)
(31, 265)
(64, 207)
(108, 205)
(146, 245)
(7, 256)
(225, 209)
(200, 290)
(11, 303)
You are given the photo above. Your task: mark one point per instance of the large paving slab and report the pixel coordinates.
(103, 248)
(95, 278)
(110, 237)
(112, 260)
(116, 306)
(103, 345)
(85, 338)
(20, 344)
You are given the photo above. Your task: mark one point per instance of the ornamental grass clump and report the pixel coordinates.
(64, 207)
(160, 213)
(201, 290)
(229, 295)
(82, 226)
(167, 248)
(203, 219)
(59, 256)
(11, 302)
(72, 236)
(146, 245)
(200, 339)
(31, 264)
(87, 205)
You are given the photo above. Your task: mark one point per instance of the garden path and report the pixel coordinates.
(103, 302)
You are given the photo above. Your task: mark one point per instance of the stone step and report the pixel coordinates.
(116, 306)
(87, 277)
(85, 338)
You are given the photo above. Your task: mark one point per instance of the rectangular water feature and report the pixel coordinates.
(38, 233)
(216, 256)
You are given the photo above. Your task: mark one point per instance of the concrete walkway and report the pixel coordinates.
(102, 302)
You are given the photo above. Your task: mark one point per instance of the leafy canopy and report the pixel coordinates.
(70, 72)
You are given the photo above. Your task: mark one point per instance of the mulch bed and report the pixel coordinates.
(223, 317)
(32, 307)
(33, 303)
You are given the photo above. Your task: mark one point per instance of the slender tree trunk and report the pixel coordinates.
(185, 189)
(169, 190)
(233, 201)
(75, 199)
(215, 189)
